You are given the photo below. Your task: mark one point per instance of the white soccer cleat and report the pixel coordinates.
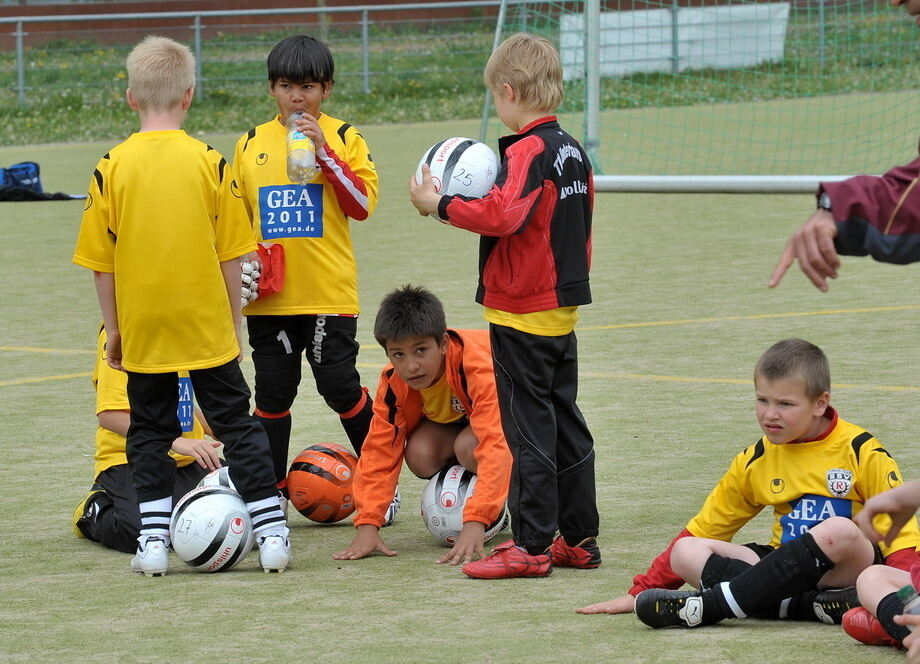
(274, 552)
(152, 557)
(390, 516)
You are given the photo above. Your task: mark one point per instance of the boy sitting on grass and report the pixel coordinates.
(108, 514)
(436, 405)
(815, 471)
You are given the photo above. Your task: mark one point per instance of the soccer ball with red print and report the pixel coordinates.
(443, 500)
(210, 529)
(460, 166)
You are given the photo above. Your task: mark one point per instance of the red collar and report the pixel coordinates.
(830, 413)
(538, 121)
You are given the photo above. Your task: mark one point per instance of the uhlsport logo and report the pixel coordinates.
(777, 485)
(237, 525)
(839, 482)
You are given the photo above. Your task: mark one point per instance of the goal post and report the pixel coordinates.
(725, 95)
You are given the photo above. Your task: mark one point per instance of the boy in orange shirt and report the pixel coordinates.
(436, 402)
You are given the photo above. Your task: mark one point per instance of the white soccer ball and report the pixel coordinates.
(460, 166)
(443, 500)
(211, 529)
(219, 477)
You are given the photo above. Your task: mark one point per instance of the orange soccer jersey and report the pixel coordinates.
(398, 411)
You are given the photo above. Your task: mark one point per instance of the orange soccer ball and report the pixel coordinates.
(319, 482)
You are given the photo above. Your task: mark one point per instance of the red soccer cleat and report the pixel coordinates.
(509, 561)
(865, 628)
(585, 555)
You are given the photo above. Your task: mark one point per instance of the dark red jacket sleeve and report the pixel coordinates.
(878, 216)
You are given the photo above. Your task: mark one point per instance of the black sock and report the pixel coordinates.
(792, 569)
(279, 438)
(889, 607)
(801, 607)
(357, 425)
(719, 568)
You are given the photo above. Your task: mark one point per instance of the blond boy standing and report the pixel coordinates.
(535, 255)
(163, 235)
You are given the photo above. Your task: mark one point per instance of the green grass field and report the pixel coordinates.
(681, 313)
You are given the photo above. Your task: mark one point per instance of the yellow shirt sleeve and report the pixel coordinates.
(729, 505)
(95, 247)
(879, 472)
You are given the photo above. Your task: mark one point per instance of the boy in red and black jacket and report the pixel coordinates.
(535, 255)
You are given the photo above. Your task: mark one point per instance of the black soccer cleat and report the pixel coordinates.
(670, 608)
(830, 605)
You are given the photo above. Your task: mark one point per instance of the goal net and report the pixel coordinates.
(734, 88)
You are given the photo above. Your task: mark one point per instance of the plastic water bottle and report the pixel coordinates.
(301, 153)
(911, 600)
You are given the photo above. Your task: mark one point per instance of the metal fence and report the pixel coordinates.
(230, 46)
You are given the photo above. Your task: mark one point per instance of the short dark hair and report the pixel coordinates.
(301, 58)
(796, 359)
(410, 311)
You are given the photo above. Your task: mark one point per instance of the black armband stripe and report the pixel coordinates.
(251, 134)
(859, 441)
(758, 452)
(341, 131)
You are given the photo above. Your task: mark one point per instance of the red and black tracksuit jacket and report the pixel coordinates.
(535, 250)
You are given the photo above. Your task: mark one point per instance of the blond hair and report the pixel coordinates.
(530, 65)
(160, 70)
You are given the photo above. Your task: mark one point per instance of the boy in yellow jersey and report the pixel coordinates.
(163, 235)
(815, 471)
(436, 405)
(535, 254)
(315, 313)
(109, 513)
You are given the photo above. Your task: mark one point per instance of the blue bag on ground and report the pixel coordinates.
(24, 175)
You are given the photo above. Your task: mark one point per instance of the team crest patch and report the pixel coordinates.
(839, 482)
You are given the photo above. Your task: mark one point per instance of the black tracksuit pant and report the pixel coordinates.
(552, 480)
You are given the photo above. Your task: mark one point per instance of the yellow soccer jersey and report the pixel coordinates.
(310, 221)
(160, 216)
(439, 404)
(805, 483)
(549, 323)
(112, 394)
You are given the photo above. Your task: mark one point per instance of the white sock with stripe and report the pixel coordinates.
(155, 516)
(267, 517)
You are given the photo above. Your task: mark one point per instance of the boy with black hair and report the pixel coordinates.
(316, 312)
(158, 200)
(436, 405)
(815, 471)
(535, 254)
